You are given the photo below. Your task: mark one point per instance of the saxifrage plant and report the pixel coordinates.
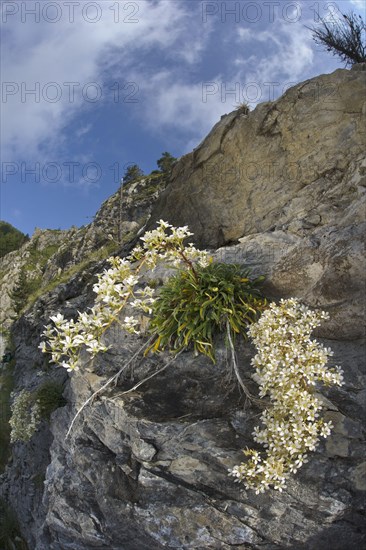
(289, 367)
(196, 305)
(202, 300)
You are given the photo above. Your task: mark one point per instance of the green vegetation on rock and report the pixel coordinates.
(197, 304)
(166, 163)
(20, 292)
(132, 173)
(10, 238)
(66, 275)
(30, 407)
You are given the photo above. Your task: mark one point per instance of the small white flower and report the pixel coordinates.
(43, 347)
(58, 319)
(130, 321)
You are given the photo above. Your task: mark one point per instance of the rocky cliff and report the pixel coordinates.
(287, 182)
(281, 189)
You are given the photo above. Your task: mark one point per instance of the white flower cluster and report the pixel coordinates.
(114, 289)
(169, 247)
(288, 365)
(65, 339)
(25, 417)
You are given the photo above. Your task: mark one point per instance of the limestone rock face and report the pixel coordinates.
(282, 190)
(277, 167)
(288, 182)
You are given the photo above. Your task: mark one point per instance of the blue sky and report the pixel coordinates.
(91, 87)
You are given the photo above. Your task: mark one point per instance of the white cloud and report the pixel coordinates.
(38, 54)
(292, 55)
(245, 34)
(173, 98)
(83, 130)
(359, 4)
(172, 104)
(284, 56)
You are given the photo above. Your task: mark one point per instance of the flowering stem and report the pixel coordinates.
(189, 263)
(109, 381)
(236, 369)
